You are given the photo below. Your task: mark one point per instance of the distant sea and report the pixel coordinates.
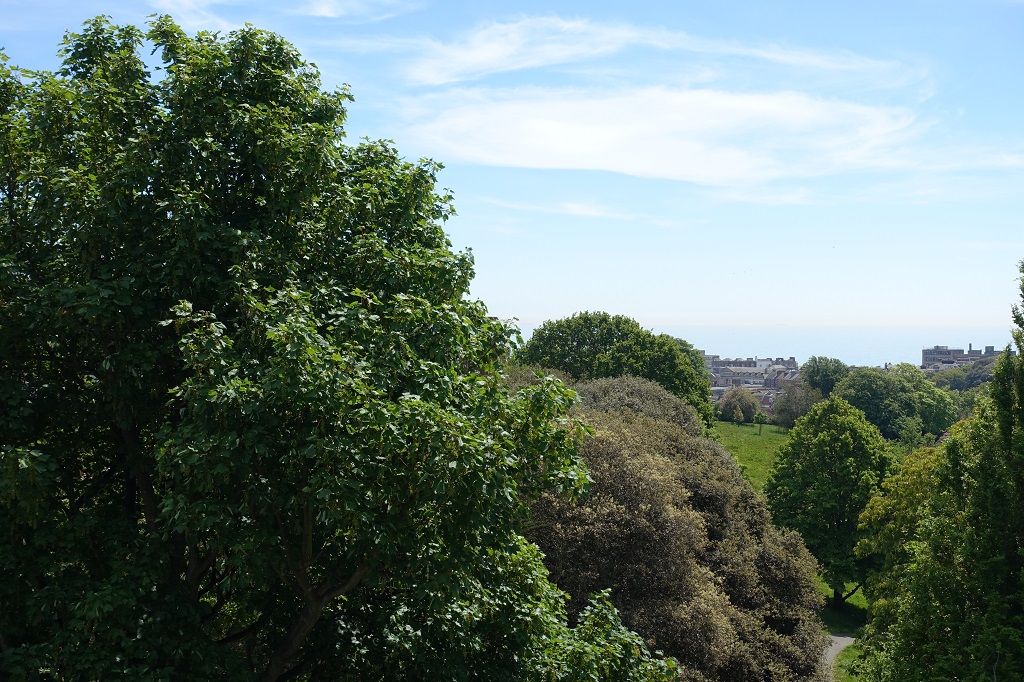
(853, 345)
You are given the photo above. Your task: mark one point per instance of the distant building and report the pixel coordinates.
(943, 357)
(749, 372)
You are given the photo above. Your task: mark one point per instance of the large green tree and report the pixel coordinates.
(823, 373)
(823, 477)
(594, 345)
(739, 405)
(251, 425)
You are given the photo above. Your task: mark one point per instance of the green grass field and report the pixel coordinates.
(755, 453)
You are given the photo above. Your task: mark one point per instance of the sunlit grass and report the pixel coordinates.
(755, 452)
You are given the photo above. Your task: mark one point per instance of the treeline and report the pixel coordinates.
(904, 403)
(945, 539)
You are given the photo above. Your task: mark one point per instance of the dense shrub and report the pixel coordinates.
(688, 552)
(641, 396)
(519, 376)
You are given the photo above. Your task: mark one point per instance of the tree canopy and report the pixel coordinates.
(642, 396)
(965, 377)
(253, 426)
(823, 477)
(797, 398)
(594, 345)
(822, 373)
(900, 401)
(738, 405)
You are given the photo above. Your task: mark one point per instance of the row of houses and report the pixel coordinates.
(764, 377)
(764, 372)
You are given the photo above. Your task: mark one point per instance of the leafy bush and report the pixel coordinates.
(688, 552)
(641, 396)
(738, 405)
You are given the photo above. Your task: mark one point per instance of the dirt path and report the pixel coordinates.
(838, 643)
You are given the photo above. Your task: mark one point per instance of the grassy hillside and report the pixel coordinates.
(754, 452)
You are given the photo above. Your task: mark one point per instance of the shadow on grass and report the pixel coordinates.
(847, 618)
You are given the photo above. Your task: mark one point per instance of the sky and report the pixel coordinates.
(782, 179)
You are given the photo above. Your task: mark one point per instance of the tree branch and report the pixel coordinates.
(303, 624)
(852, 592)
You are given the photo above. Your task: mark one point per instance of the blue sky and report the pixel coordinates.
(786, 178)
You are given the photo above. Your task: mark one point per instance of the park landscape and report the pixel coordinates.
(255, 426)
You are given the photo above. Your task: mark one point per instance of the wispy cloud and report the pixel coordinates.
(194, 15)
(582, 209)
(705, 136)
(545, 41)
(357, 10)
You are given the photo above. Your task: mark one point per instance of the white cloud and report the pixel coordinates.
(357, 10)
(194, 15)
(704, 136)
(581, 209)
(544, 41)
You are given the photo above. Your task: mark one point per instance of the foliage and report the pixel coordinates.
(951, 606)
(521, 376)
(948, 530)
(641, 396)
(901, 402)
(824, 475)
(965, 377)
(890, 523)
(252, 425)
(508, 625)
(796, 400)
(595, 345)
(688, 552)
(822, 373)
(754, 450)
(846, 665)
(738, 405)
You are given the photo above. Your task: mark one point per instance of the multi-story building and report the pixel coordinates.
(942, 357)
